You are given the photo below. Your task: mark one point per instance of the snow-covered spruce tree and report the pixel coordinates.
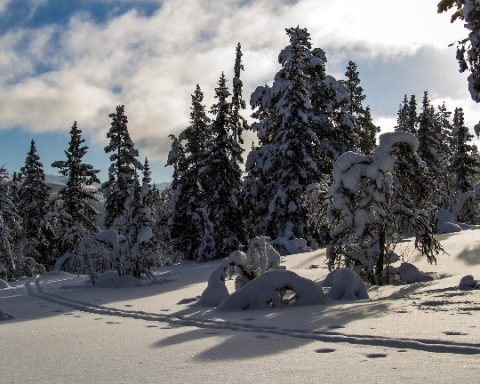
(122, 171)
(138, 253)
(222, 177)
(468, 49)
(33, 205)
(10, 230)
(303, 125)
(75, 217)
(189, 213)
(464, 165)
(433, 148)
(403, 116)
(237, 122)
(362, 213)
(364, 127)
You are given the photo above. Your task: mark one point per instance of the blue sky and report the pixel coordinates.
(76, 60)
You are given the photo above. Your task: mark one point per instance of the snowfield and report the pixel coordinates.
(59, 329)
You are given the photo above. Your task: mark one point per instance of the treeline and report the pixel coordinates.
(304, 121)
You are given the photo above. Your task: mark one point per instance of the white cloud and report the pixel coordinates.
(151, 64)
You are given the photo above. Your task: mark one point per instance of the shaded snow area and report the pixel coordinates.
(61, 329)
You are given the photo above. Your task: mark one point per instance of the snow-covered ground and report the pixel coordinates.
(66, 331)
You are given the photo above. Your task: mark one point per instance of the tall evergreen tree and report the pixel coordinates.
(364, 127)
(76, 215)
(464, 165)
(10, 230)
(403, 116)
(303, 125)
(188, 202)
(412, 115)
(223, 176)
(238, 123)
(34, 197)
(122, 171)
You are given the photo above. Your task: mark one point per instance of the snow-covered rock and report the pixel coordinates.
(468, 282)
(4, 284)
(347, 285)
(409, 273)
(5, 316)
(273, 289)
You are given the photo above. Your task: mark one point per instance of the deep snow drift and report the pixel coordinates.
(64, 330)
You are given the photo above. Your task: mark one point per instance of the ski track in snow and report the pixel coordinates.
(35, 289)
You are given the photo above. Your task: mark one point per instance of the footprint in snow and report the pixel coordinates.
(249, 319)
(187, 301)
(57, 310)
(402, 350)
(455, 333)
(128, 305)
(98, 318)
(165, 310)
(376, 355)
(152, 326)
(212, 333)
(113, 322)
(325, 350)
(335, 326)
(262, 336)
(77, 316)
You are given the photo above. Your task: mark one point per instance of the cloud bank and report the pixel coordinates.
(54, 73)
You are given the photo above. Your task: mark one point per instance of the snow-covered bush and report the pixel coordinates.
(273, 289)
(290, 247)
(363, 214)
(259, 258)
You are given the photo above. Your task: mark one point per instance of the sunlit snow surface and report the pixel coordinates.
(66, 331)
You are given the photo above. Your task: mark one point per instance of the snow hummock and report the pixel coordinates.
(268, 291)
(409, 273)
(347, 285)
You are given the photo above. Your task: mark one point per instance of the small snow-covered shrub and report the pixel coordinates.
(347, 285)
(273, 289)
(259, 258)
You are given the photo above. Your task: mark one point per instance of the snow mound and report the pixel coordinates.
(448, 227)
(410, 274)
(291, 247)
(260, 257)
(4, 284)
(275, 288)
(468, 282)
(110, 279)
(5, 316)
(216, 290)
(347, 285)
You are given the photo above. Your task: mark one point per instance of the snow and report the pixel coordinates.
(266, 292)
(407, 333)
(347, 285)
(4, 284)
